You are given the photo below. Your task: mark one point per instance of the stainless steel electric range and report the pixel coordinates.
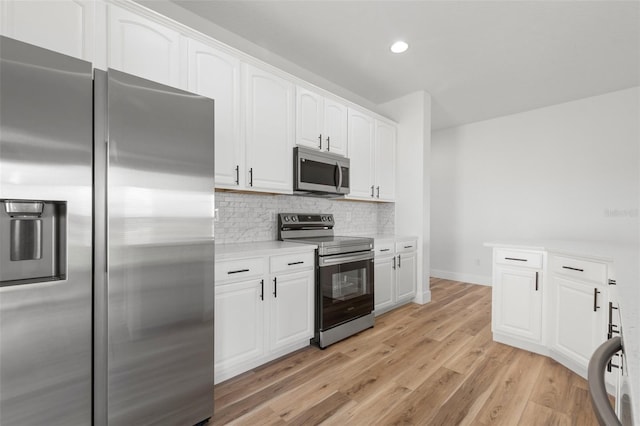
(344, 275)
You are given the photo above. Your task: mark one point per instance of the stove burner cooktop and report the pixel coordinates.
(318, 229)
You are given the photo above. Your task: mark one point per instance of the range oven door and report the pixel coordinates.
(345, 288)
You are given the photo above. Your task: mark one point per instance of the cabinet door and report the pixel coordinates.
(361, 155)
(384, 282)
(216, 75)
(309, 119)
(406, 276)
(64, 26)
(335, 127)
(269, 131)
(292, 309)
(385, 161)
(239, 324)
(517, 303)
(578, 329)
(142, 47)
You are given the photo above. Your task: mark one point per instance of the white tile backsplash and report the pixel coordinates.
(246, 217)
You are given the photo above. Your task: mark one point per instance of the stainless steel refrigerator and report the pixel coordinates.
(106, 257)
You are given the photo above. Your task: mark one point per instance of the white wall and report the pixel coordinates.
(413, 114)
(568, 171)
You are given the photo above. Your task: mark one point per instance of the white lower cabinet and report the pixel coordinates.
(291, 302)
(264, 309)
(517, 303)
(395, 273)
(239, 337)
(579, 302)
(551, 304)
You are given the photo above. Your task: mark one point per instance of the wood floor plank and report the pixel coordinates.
(432, 364)
(510, 395)
(536, 414)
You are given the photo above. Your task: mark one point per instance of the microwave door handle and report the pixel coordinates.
(339, 176)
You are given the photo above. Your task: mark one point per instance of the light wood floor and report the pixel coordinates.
(432, 364)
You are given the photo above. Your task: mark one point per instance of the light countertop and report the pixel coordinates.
(260, 248)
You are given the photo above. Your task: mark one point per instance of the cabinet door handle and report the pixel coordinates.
(320, 140)
(328, 144)
(378, 189)
(238, 175)
(261, 289)
(296, 263)
(595, 299)
(573, 269)
(237, 271)
(371, 191)
(275, 287)
(399, 265)
(536, 281)
(515, 258)
(394, 262)
(251, 176)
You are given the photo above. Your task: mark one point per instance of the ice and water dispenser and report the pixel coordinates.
(33, 241)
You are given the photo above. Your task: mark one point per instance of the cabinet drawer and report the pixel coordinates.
(406, 246)
(292, 262)
(240, 269)
(579, 269)
(385, 248)
(526, 259)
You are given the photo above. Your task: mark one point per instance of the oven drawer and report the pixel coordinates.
(240, 269)
(580, 269)
(526, 259)
(406, 246)
(292, 262)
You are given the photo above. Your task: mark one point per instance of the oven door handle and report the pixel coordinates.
(334, 260)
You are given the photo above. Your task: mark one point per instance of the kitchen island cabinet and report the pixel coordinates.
(552, 299)
(264, 295)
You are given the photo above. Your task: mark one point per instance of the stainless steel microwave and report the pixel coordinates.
(320, 173)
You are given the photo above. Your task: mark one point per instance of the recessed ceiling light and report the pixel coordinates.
(399, 47)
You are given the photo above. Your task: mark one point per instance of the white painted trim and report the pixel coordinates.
(465, 278)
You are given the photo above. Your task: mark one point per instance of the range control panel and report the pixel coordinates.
(288, 220)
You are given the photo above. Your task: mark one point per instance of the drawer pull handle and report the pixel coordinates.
(384, 249)
(238, 271)
(573, 269)
(408, 246)
(296, 263)
(595, 300)
(515, 258)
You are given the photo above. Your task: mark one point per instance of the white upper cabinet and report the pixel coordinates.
(372, 151)
(385, 161)
(142, 47)
(309, 118)
(64, 26)
(361, 155)
(335, 126)
(269, 130)
(216, 75)
(321, 123)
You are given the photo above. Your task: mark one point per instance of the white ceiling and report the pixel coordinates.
(477, 59)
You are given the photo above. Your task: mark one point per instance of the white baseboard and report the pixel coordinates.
(465, 278)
